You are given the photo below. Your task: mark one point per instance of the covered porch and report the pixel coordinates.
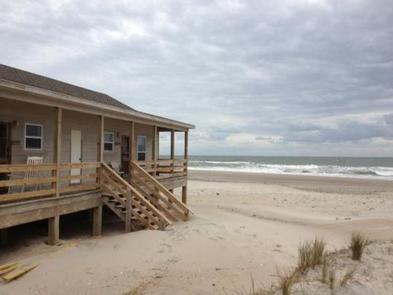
(61, 151)
(58, 158)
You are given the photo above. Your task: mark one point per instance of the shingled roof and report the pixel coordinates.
(24, 77)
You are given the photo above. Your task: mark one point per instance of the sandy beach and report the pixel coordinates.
(245, 226)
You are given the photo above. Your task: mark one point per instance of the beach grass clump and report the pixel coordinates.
(253, 290)
(286, 282)
(332, 279)
(311, 254)
(347, 277)
(324, 271)
(357, 245)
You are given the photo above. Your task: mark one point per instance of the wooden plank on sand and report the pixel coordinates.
(8, 269)
(7, 265)
(18, 272)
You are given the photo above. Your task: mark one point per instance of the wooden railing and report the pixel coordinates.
(40, 180)
(30, 181)
(130, 198)
(165, 168)
(163, 198)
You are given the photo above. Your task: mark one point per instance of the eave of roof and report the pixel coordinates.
(8, 82)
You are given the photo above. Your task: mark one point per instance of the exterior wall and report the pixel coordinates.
(21, 113)
(119, 128)
(89, 125)
(148, 131)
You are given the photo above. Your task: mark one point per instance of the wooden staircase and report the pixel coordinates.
(143, 202)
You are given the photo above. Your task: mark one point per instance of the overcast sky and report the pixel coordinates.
(299, 77)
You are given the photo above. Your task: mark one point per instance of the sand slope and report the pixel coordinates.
(239, 230)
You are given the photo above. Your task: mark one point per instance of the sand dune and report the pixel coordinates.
(240, 230)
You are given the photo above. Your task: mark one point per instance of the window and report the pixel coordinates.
(109, 141)
(141, 148)
(33, 136)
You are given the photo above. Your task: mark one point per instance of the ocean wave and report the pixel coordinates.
(308, 169)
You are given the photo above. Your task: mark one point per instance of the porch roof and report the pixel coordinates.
(70, 93)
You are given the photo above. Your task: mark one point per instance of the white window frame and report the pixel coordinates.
(137, 147)
(25, 136)
(111, 142)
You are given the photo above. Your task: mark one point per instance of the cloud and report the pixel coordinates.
(309, 73)
(252, 139)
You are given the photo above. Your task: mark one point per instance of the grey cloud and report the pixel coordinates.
(272, 67)
(389, 119)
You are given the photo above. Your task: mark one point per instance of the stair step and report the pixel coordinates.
(143, 203)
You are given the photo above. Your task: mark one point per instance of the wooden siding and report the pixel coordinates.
(21, 113)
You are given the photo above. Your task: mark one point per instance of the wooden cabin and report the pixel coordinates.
(65, 149)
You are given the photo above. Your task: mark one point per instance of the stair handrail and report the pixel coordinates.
(134, 191)
(162, 188)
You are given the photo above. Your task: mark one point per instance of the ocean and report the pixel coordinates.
(380, 168)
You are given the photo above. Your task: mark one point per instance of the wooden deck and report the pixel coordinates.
(44, 191)
(24, 212)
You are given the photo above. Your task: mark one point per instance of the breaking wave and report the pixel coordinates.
(306, 169)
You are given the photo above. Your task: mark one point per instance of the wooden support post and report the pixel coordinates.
(173, 150)
(131, 140)
(184, 188)
(186, 144)
(155, 150)
(97, 221)
(101, 152)
(3, 237)
(184, 194)
(172, 144)
(53, 230)
(58, 149)
(128, 212)
(186, 152)
(101, 148)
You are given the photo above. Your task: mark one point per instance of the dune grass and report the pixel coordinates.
(286, 282)
(332, 279)
(357, 245)
(311, 254)
(324, 271)
(347, 277)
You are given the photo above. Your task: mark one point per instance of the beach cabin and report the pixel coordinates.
(65, 149)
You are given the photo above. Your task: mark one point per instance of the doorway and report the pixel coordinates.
(76, 154)
(5, 151)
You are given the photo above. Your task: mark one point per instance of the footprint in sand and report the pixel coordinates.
(165, 248)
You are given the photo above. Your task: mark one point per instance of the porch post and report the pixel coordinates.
(97, 221)
(53, 230)
(155, 150)
(100, 149)
(58, 149)
(184, 188)
(101, 152)
(172, 144)
(172, 154)
(131, 141)
(173, 149)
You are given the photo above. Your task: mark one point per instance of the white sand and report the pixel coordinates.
(240, 230)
